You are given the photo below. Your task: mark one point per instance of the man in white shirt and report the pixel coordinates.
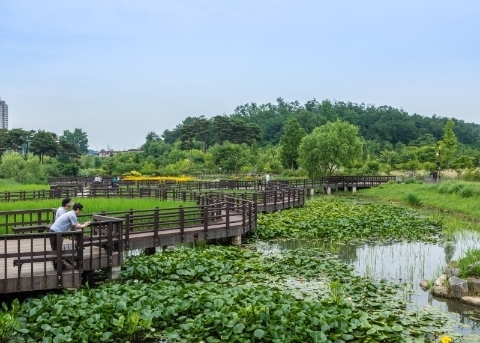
(63, 224)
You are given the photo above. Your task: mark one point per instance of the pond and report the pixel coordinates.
(404, 262)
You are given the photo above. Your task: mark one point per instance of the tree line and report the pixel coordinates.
(314, 139)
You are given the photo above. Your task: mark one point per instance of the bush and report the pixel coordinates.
(471, 175)
(470, 264)
(455, 188)
(466, 192)
(443, 188)
(410, 180)
(413, 200)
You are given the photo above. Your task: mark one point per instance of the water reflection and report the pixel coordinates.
(405, 262)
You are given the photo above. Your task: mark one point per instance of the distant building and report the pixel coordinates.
(110, 152)
(3, 115)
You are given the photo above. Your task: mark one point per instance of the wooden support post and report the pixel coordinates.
(236, 240)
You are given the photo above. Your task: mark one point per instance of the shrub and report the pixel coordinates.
(413, 200)
(455, 187)
(466, 192)
(411, 180)
(443, 188)
(470, 264)
(472, 175)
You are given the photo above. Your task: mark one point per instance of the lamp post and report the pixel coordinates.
(439, 162)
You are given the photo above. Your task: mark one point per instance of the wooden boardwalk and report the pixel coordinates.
(26, 258)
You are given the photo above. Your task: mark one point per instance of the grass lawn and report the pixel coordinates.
(456, 197)
(9, 185)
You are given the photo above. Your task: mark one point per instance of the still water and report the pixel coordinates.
(406, 262)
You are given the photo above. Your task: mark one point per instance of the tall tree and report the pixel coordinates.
(3, 140)
(290, 141)
(44, 143)
(78, 138)
(67, 152)
(448, 145)
(329, 147)
(202, 131)
(16, 138)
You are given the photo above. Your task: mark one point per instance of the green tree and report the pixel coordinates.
(3, 140)
(13, 166)
(290, 141)
(329, 147)
(44, 143)
(78, 138)
(67, 152)
(448, 144)
(16, 138)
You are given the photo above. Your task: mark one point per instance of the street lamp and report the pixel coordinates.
(439, 162)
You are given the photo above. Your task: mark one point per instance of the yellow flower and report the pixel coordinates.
(446, 339)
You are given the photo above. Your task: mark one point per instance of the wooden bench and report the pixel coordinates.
(31, 229)
(46, 256)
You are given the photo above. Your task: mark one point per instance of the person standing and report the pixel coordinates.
(64, 223)
(267, 178)
(66, 204)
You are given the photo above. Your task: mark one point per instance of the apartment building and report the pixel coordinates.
(3, 115)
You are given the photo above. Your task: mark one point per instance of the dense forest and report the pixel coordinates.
(264, 123)
(313, 139)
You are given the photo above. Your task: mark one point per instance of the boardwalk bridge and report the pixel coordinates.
(222, 210)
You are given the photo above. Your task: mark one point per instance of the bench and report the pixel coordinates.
(46, 256)
(31, 229)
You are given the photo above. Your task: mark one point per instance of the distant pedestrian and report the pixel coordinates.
(267, 178)
(66, 204)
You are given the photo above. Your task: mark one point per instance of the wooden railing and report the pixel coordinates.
(185, 191)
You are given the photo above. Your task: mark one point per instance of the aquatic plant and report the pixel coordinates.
(413, 200)
(344, 220)
(240, 296)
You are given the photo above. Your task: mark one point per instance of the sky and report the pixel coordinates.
(121, 69)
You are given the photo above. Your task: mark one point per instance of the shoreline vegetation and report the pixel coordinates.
(451, 200)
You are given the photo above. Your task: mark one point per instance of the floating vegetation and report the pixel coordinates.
(224, 294)
(346, 220)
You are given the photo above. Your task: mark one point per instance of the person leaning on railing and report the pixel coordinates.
(64, 223)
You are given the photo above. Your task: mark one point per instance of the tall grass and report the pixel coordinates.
(470, 264)
(413, 200)
(10, 185)
(96, 205)
(456, 197)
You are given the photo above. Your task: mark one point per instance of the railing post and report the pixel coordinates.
(275, 200)
(264, 200)
(205, 222)
(244, 219)
(227, 217)
(127, 232)
(59, 259)
(156, 215)
(181, 216)
(250, 227)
